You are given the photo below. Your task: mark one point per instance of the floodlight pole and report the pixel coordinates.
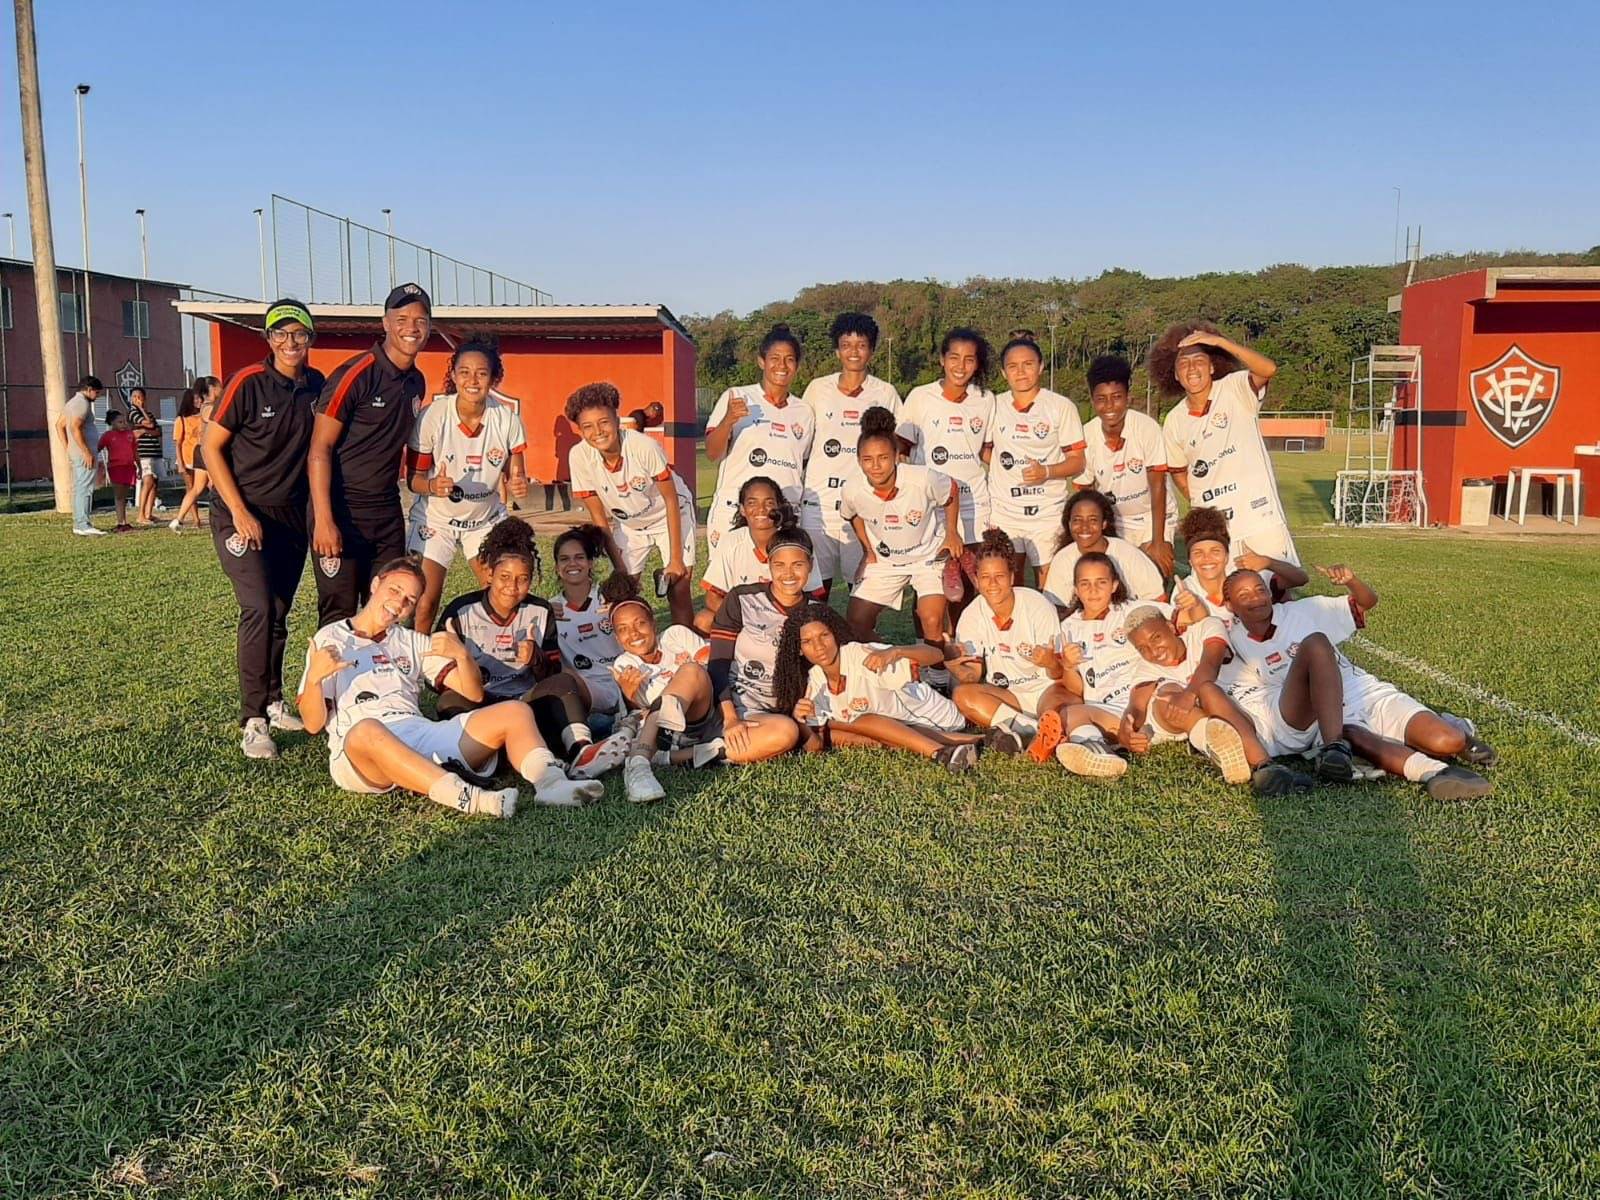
(388, 225)
(80, 92)
(261, 250)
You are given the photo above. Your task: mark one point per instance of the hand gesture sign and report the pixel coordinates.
(1339, 573)
(324, 664)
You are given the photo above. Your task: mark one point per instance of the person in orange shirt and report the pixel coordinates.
(194, 410)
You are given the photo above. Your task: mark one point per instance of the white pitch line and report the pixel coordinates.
(1482, 695)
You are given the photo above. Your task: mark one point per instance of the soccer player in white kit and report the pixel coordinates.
(945, 425)
(1088, 522)
(1037, 452)
(1390, 729)
(844, 692)
(1215, 452)
(1207, 545)
(361, 682)
(906, 520)
(759, 429)
(837, 402)
(1009, 666)
(623, 479)
(460, 447)
(1126, 460)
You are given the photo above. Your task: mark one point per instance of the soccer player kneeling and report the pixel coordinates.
(361, 683)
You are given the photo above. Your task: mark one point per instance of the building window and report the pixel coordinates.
(5, 308)
(71, 313)
(136, 318)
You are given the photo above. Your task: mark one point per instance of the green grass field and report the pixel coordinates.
(845, 976)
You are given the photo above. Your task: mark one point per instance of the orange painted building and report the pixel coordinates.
(549, 351)
(1510, 378)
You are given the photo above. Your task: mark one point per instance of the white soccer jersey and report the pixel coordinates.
(440, 444)
(894, 692)
(1195, 639)
(677, 645)
(1264, 664)
(1123, 474)
(771, 440)
(736, 560)
(631, 493)
(950, 438)
(1220, 613)
(585, 637)
(1005, 651)
(906, 527)
(1227, 460)
(383, 679)
(1139, 575)
(1046, 432)
(495, 643)
(833, 449)
(1107, 663)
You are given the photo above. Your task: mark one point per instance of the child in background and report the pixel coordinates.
(119, 446)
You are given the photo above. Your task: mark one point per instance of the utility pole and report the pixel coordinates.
(388, 225)
(1052, 316)
(144, 245)
(81, 91)
(141, 324)
(261, 247)
(45, 287)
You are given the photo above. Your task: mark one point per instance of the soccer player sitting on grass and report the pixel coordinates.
(662, 675)
(1396, 733)
(1175, 695)
(1009, 664)
(1199, 594)
(1088, 523)
(361, 684)
(843, 692)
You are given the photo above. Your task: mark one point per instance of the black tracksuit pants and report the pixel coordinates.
(371, 536)
(264, 583)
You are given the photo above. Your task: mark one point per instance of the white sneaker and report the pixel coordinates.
(641, 784)
(1221, 743)
(279, 717)
(174, 526)
(257, 742)
(1093, 759)
(492, 802)
(706, 753)
(595, 760)
(90, 532)
(557, 791)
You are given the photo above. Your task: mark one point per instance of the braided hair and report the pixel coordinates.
(792, 669)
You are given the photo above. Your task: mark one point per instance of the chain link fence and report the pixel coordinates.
(325, 259)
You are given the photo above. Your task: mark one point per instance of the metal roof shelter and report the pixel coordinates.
(549, 351)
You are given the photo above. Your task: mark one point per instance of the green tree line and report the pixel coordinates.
(1312, 321)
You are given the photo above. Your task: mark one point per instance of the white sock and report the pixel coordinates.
(671, 714)
(1462, 723)
(1420, 768)
(1005, 717)
(537, 762)
(575, 735)
(492, 802)
(450, 791)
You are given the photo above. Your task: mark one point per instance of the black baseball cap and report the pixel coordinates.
(408, 293)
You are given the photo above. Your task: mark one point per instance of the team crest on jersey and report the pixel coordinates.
(606, 626)
(799, 432)
(424, 532)
(329, 564)
(1041, 430)
(914, 517)
(237, 545)
(403, 663)
(1515, 395)
(1135, 465)
(713, 537)
(1219, 420)
(1294, 648)
(977, 424)
(496, 456)
(638, 483)
(858, 704)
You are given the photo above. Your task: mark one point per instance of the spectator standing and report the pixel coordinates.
(76, 428)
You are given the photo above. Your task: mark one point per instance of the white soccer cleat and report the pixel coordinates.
(1093, 759)
(640, 783)
(90, 532)
(1221, 743)
(595, 760)
(279, 717)
(257, 741)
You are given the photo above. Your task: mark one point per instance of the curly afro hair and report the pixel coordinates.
(592, 395)
(1202, 524)
(792, 669)
(1108, 514)
(1163, 358)
(510, 538)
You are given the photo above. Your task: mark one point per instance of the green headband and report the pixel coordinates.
(289, 312)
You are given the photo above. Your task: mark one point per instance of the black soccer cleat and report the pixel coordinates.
(1002, 741)
(1457, 783)
(1336, 764)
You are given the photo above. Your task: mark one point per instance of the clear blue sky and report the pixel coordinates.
(713, 157)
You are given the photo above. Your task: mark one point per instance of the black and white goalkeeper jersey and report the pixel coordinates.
(494, 641)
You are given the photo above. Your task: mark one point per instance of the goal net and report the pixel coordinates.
(1378, 498)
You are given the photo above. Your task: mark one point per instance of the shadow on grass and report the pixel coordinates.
(1392, 1089)
(73, 1105)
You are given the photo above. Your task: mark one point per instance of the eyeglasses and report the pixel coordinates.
(298, 336)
